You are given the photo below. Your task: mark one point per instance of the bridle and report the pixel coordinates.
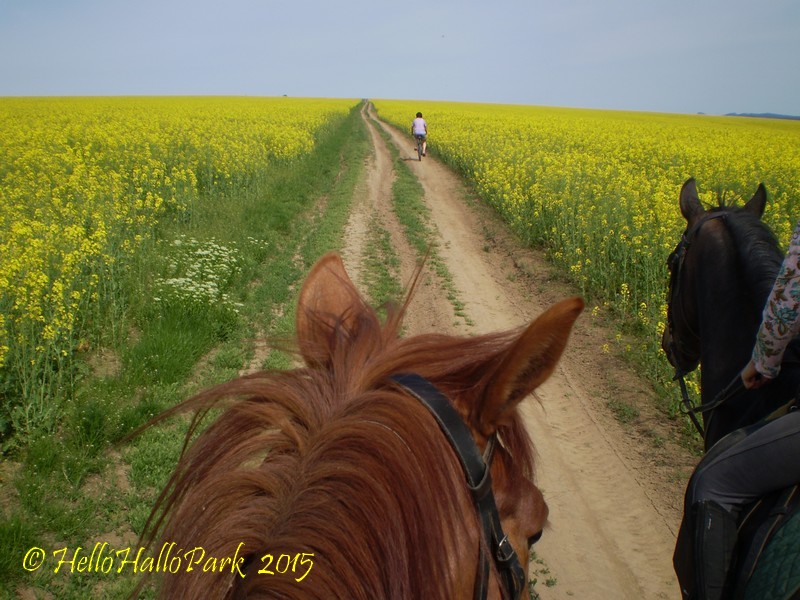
(675, 263)
(477, 469)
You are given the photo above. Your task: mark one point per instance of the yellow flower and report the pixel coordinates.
(85, 182)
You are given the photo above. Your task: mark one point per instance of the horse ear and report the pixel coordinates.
(328, 300)
(758, 202)
(528, 362)
(690, 202)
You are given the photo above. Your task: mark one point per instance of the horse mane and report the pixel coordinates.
(332, 460)
(759, 253)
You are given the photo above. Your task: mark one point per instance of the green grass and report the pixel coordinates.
(382, 267)
(80, 484)
(624, 412)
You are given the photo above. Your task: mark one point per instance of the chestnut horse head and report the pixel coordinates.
(721, 273)
(333, 480)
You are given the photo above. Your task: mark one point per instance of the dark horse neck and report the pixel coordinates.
(729, 308)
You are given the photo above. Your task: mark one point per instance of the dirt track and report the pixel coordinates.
(614, 491)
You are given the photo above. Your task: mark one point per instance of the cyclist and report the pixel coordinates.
(748, 463)
(419, 129)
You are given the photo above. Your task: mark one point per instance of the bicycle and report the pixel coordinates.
(420, 140)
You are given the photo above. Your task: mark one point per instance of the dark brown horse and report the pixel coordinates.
(722, 271)
(334, 480)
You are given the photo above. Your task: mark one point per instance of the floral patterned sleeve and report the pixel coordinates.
(781, 319)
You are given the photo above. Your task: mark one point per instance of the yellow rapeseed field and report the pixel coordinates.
(599, 189)
(84, 182)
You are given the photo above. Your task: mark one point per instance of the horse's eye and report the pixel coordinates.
(534, 538)
(672, 260)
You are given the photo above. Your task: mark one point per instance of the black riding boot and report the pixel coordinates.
(714, 542)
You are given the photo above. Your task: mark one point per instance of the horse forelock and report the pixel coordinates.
(335, 462)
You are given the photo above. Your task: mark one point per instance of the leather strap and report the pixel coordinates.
(452, 425)
(477, 470)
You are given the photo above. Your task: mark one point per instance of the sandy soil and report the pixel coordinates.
(614, 490)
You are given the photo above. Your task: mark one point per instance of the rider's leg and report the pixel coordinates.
(738, 469)
(714, 542)
(687, 565)
(763, 461)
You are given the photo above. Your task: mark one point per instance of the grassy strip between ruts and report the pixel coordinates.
(80, 488)
(381, 267)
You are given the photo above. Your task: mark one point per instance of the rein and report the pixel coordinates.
(689, 408)
(477, 470)
(735, 387)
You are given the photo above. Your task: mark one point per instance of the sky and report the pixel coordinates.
(678, 56)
